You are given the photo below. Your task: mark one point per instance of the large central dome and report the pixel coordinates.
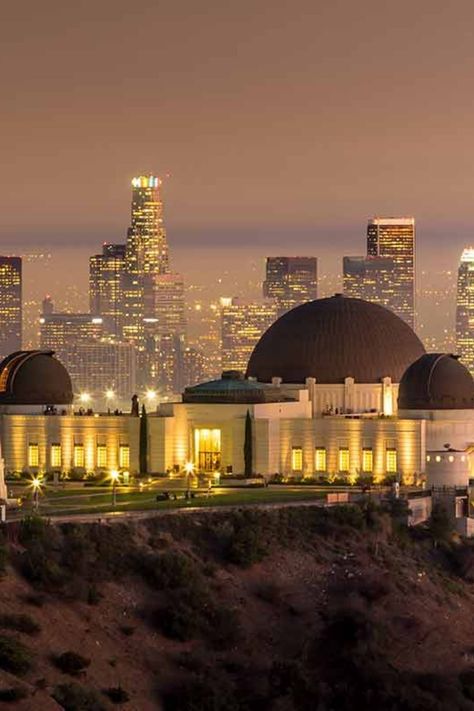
(335, 338)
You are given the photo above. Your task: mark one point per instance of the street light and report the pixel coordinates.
(85, 398)
(36, 483)
(114, 475)
(151, 395)
(109, 394)
(189, 469)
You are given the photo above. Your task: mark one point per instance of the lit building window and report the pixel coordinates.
(428, 458)
(367, 460)
(79, 459)
(101, 455)
(297, 459)
(56, 455)
(33, 455)
(437, 458)
(207, 449)
(320, 459)
(391, 461)
(343, 459)
(124, 456)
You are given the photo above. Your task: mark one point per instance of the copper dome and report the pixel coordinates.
(34, 378)
(436, 381)
(335, 338)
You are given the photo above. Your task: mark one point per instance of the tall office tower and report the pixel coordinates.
(242, 326)
(369, 278)
(291, 281)
(394, 238)
(193, 367)
(105, 370)
(106, 273)
(465, 309)
(147, 248)
(10, 305)
(60, 331)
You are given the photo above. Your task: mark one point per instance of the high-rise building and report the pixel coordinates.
(96, 363)
(61, 331)
(10, 305)
(394, 238)
(242, 326)
(291, 281)
(105, 370)
(147, 248)
(369, 278)
(465, 309)
(106, 272)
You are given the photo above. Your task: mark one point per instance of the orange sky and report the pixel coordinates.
(275, 118)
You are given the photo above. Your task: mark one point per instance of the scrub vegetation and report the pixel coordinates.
(285, 608)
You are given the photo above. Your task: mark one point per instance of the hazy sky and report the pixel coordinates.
(282, 122)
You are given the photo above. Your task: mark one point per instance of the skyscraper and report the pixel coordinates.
(465, 309)
(147, 248)
(10, 305)
(369, 278)
(106, 273)
(291, 281)
(242, 326)
(394, 238)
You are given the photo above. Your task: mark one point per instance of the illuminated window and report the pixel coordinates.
(343, 459)
(79, 455)
(437, 458)
(56, 455)
(367, 460)
(391, 461)
(320, 459)
(428, 458)
(101, 455)
(33, 455)
(207, 449)
(124, 456)
(297, 459)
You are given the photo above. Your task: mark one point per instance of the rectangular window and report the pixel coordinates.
(320, 459)
(367, 460)
(124, 456)
(391, 461)
(101, 456)
(56, 458)
(343, 459)
(207, 449)
(33, 455)
(297, 459)
(79, 459)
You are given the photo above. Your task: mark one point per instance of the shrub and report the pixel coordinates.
(351, 516)
(204, 692)
(74, 697)
(248, 542)
(71, 663)
(127, 630)
(440, 524)
(168, 570)
(117, 695)
(14, 656)
(19, 623)
(12, 694)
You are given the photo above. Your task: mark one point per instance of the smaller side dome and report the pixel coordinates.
(436, 381)
(34, 378)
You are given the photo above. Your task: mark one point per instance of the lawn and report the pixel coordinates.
(85, 502)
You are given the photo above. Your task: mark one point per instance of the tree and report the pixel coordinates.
(248, 445)
(441, 525)
(143, 441)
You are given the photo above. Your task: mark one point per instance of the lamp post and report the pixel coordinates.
(36, 484)
(189, 469)
(114, 475)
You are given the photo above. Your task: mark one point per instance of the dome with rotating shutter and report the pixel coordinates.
(436, 381)
(34, 378)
